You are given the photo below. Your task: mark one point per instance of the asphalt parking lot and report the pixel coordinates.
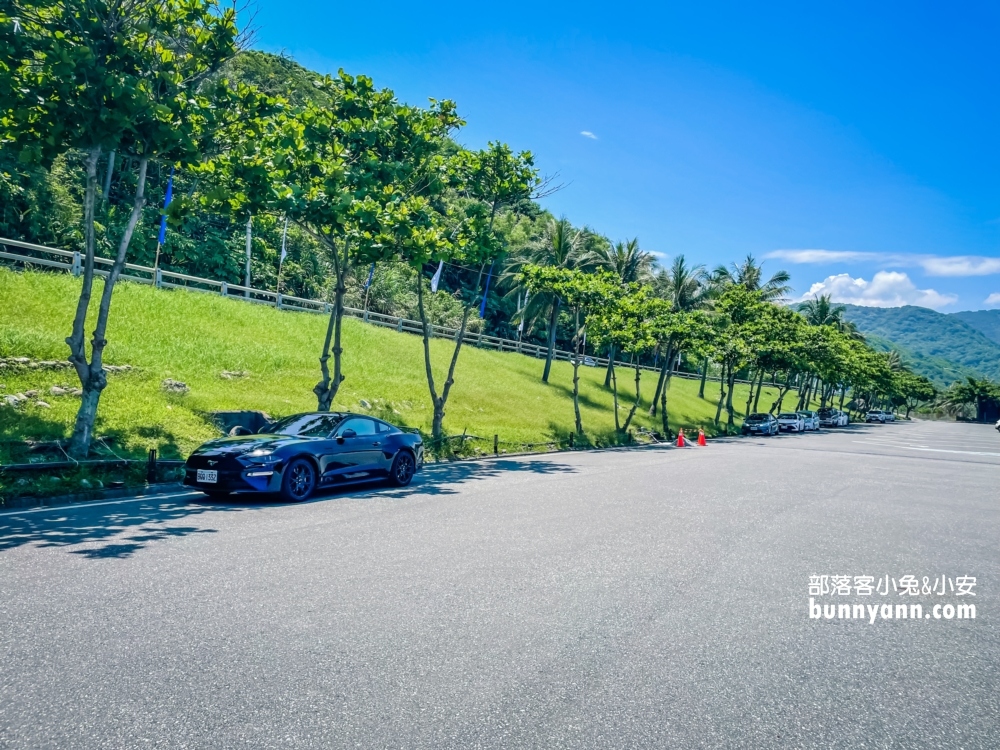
(635, 598)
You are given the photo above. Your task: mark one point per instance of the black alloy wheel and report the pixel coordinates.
(298, 481)
(403, 467)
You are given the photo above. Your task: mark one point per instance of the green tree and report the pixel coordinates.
(978, 392)
(133, 76)
(585, 295)
(685, 288)
(627, 262)
(345, 168)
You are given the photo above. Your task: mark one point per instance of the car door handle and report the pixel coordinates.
(376, 443)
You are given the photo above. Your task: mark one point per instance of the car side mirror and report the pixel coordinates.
(349, 434)
(240, 430)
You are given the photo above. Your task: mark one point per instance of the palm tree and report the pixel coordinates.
(624, 259)
(820, 311)
(561, 246)
(629, 264)
(686, 288)
(749, 274)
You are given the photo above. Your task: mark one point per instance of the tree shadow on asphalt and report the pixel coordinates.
(119, 531)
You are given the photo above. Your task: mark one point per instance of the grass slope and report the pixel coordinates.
(193, 337)
(942, 347)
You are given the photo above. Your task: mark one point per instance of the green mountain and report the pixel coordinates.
(987, 322)
(944, 348)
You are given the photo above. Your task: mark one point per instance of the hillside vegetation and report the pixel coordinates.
(987, 322)
(194, 338)
(944, 348)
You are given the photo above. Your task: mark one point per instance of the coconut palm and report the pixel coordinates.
(820, 311)
(561, 246)
(686, 288)
(624, 259)
(749, 274)
(629, 264)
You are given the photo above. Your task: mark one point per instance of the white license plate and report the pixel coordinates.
(208, 476)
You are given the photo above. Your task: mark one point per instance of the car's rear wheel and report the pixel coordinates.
(403, 467)
(298, 481)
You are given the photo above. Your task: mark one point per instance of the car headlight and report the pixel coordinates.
(259, 453)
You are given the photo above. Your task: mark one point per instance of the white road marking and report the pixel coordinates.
(84, 504)
(931, 450)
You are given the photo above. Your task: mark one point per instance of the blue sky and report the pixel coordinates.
(855, 147)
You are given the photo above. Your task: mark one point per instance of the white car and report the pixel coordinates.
(830, 417)
(875, 415)
(810, 419)
(890, 416)
(791, 422)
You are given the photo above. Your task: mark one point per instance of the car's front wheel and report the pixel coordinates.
(298, 481)
(403, 467)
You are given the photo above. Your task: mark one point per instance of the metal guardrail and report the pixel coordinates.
(72, 262)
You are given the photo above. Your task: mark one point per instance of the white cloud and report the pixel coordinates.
(821, 256)
(886, 289)
(993, 300)
(959, 265)
(932, 265)
(588, 134)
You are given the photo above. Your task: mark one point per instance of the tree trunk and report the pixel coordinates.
(663, 376)
(782, 390)
(440, 401)
(760, 387)
(722, 393)
(553, 323)
(663, 408)
(93, 379)
(631, 413)
(611, 366)
(704, 377)
(614, 393)
(753, 376)
(326, 389)
(576, 374)
(730, 421)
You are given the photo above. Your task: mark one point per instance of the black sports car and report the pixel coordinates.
(299, 453)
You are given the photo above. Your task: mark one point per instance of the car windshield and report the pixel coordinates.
(757, 418)
(825, 412)
(308, 425)
(788, 416)
(804, 413)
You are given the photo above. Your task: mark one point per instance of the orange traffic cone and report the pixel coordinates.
(680, 439)
(701, 437)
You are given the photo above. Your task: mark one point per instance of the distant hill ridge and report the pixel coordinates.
(944, 347)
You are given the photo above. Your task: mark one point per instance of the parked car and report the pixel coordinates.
(298, 454)
(875, 415)
(830, 417)
(890, 416)
(810, 419)
(760, 424)
(791, 421)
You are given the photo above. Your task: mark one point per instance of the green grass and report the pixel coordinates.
(193, 337)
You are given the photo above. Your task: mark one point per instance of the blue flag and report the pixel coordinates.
(486, 291)
(166, 202)
(371, 275)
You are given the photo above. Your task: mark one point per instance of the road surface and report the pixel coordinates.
(632, 599)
